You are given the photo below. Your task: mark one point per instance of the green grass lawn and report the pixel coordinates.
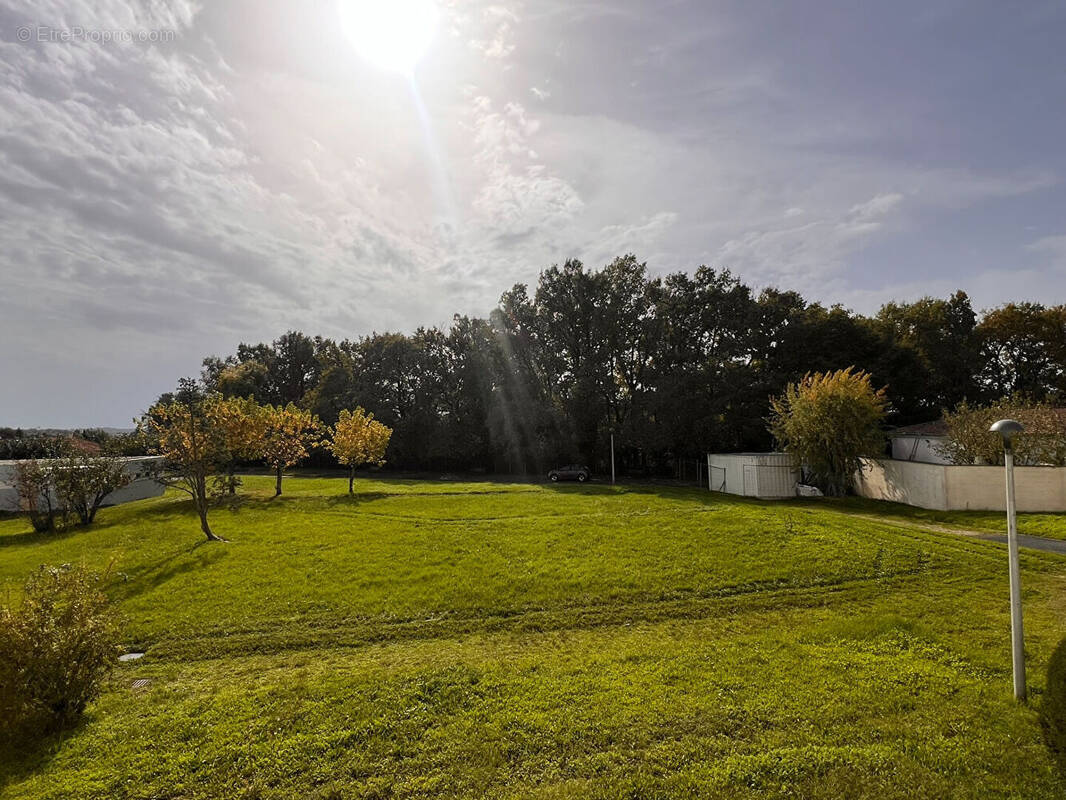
(432, 639)
(1050, 526)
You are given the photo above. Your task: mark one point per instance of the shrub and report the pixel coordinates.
(36, 490)
(828, 423)
(83, 481)
(56, 648)
(1053, 708)
(969, 442)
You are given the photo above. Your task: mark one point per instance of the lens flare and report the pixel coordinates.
(391, 34)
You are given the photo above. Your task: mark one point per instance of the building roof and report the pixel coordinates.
(939, 427)
(85, 446)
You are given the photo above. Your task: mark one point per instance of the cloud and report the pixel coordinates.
(1052, 247)
(519, 195)
(814, 247)
(495, 39)
(164, 200)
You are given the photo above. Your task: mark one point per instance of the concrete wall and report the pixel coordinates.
(910, 482)
(138, 489)
(919, 448)
(766, 475)
(961, 488)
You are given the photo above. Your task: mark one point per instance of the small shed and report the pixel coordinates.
(763, 475)
(921, 442)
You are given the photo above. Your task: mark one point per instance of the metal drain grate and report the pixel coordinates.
(140, 683)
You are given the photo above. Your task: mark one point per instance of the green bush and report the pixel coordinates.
(1053, 708)
(83, 481)
(828, 423)
(34, 482)
(56, 648)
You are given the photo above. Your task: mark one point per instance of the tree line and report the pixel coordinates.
(673, 366)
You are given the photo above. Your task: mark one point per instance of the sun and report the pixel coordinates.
(391, 34)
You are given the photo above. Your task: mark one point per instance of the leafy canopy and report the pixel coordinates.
(1042, 442)
(828, 422)
(358, 438)
(289, 434)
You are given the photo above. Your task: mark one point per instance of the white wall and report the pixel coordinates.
(961, 488)
(138, 489)
(910, 482)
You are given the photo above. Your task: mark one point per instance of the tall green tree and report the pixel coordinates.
(1023, 349)
(943, 338)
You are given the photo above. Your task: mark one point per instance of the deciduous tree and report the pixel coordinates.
(828, 422)
(1042, 442)
(193, 445)
(243, 424)
(35, 485)
(358, 438)
(289, 434)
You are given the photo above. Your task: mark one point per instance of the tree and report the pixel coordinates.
(358, 438)
(243, 424)
(247, 379)
(1042, 442)
(942, 335)
(1024, 351)
(82, 482)
(828, 422)
(675, 365)
(193, 445)
(289, 432)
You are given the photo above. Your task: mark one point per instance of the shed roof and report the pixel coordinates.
(937, 427)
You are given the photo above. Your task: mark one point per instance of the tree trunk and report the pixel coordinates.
(201, 509)
(229, 474)
(277, 486)
(351, 479)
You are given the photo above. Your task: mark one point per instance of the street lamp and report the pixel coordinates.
(1008, 428)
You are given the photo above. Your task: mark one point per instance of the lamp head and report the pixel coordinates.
(1007, 428)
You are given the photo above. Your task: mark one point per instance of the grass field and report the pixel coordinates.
(432, 639)
(1050, 526)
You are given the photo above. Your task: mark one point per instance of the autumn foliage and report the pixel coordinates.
(828, 422)
(358, 439)
(191, 437)
(1042, 442)
(288, 436)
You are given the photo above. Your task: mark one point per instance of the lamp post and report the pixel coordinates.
(612, 458)
(1008, 428)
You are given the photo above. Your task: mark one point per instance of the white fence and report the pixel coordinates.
(948, 487)
(139, 488)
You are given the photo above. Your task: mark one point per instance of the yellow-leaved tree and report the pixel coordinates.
(243, 424)
(289, 434)
(828, 423)
(358, 438)
(187, 433)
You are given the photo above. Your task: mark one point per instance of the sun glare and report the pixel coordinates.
(391, 34)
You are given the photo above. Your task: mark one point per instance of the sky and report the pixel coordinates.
(178, 177)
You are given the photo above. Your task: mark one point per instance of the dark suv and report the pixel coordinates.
(571, 472)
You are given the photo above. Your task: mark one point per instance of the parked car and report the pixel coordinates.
(571, 472)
